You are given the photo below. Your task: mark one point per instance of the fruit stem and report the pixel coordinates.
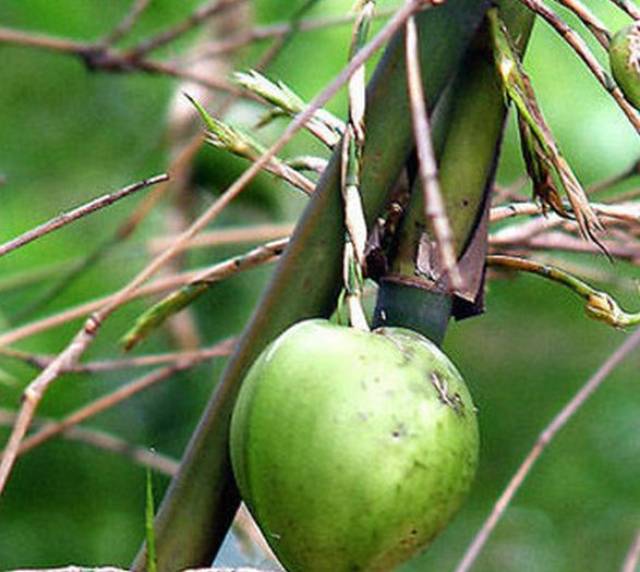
(599, 305)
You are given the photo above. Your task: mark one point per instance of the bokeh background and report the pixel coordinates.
(67, 135)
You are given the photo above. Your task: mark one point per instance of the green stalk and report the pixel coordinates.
(197, 510)
(467, 132)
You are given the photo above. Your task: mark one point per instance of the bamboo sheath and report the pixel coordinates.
(197, 510)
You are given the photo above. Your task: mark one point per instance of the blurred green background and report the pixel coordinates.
(67, 135)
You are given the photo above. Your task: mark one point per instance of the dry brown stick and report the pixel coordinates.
(127, 23)
(561, 241)
(580, 47)
(560, 420)
(590, 20)
(105, 58)
(41, 361)
(106, 441)
(226, 236)
(629, 212)
(629, 7)
(632, 559)
(434, 208)
(122, 393)
(70, 355)
(79, 212)
(216, 272)
(200, 15)
(260, 33)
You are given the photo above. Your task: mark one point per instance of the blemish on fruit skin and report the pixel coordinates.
(453, 401)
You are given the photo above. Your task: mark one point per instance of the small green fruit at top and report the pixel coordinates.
(352, 449)
(624, 55)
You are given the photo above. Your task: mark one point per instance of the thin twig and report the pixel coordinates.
(81, 341)
(41, 361)
(580, 47)
(79, 212)
(561, 241)
(226, 236)
(590, 20)
(629, 212)
(567, 412)
(102, 57)
(127, 23)
(158, 286)
(200, 15)
(187, 294)
(629, 7)
(105, 441)
(633, 555)
(434, 207)
(260, 33)
(114, 398)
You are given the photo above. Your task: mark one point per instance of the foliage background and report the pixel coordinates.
(67, 135)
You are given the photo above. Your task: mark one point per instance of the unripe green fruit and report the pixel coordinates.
(352, 449)
(624, 55)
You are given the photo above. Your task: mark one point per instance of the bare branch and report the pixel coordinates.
(580, 47)
(79, 212)
(227, 236)
(70, 355)
(590, 20)
(114, 398)
(629, 212)
(127, 23)
(435, 211)
(200, 15)
(42, 361)
(102, 57)
(629, 7)
(260, 33)
(105, 441)
(560, 420)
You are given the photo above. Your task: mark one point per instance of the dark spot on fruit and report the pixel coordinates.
(414, 532)
(453, 401)
(464, 202)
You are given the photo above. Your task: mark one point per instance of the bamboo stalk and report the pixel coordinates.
(202, 499)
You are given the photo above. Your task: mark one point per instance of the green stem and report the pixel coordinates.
(599, 305)
(198, 508)
(467, 132)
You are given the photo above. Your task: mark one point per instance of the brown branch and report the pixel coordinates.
(560, 241)
(590, 20)
(127, 23)
(97, 56)
(200, 15)
(628, 212)
(227, 236)
(560, 420)
(157, 286)
(42, 361)
(633, 555)
(81, 341)
(434, 208)
(580, 47)
(79, 212)
(629, 7)
(114, 398)
(105, 441)
(261, 33)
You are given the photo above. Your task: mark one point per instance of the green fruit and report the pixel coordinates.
(624, 55)
(352, 449)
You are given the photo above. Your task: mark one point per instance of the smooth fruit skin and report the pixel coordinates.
(624, 56)
(352, 449)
